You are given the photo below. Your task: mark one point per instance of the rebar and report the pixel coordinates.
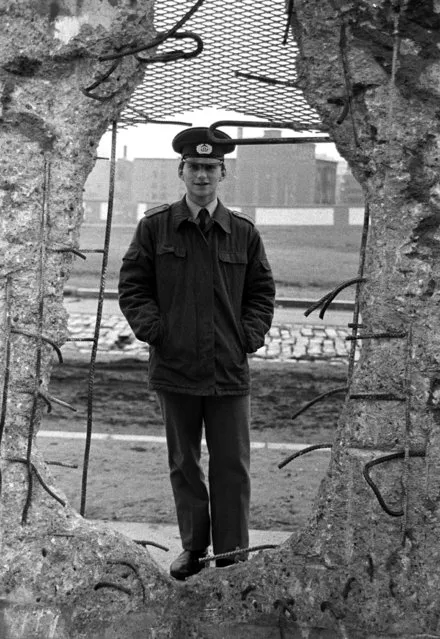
(356, 311)
(35, 472)
(158, 40)
(289, 11)
(404, 454)
(7, 359)
(384, 335)
(169, 56)
(345, 111)
(50, 398)
(237, 552)
(333, 391)
(111, 584)
(142, 542)
(46, 397)
(87, 91)
(70, 250)
(91, 377)
(386, 397)
(265, 79)
(57, 349)
(405, 478)
(172, 56)
(328, 298)
(304, 451)
(262, 125)
(148, 120)
(39, 340)
(62, 464)
(124, 562)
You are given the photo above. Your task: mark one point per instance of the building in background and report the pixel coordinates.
(155, 181)
(350, 190)
(97, 190)
(325, 181)
(140, 185)
(275, 175)
(275, 180)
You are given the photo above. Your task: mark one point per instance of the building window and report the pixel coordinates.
(103, 207)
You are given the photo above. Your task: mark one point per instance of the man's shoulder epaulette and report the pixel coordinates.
(243, 216)
(157, 209)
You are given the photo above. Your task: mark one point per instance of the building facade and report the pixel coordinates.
(283, 177)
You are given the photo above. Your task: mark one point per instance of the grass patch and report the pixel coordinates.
(303, 259)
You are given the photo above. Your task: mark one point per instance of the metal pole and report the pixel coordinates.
(91, 378)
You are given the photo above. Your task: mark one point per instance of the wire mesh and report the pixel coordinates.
(244, 65)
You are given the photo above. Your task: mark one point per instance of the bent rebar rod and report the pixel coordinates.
(327, 299)
(304, 451)
(381, 460)
(159, 40)
(299, 412)
(262, 125)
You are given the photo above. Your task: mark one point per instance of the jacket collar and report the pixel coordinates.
(181, 213)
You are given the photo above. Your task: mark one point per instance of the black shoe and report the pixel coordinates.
(231, 561)
(187, 564)
(224, 563)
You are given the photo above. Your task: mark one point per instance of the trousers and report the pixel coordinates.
(222, 513)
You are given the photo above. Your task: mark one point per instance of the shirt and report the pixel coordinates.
(196, 208)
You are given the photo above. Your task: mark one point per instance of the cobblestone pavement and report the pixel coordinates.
(284, 342)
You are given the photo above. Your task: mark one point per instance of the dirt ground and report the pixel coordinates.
(128, 481)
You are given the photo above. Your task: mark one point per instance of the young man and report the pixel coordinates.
(196, 285)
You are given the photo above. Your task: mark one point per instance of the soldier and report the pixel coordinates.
(196, 284)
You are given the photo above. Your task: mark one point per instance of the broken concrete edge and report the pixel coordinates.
(93, 607)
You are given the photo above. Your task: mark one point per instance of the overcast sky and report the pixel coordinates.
(154, 140)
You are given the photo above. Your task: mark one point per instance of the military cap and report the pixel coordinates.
(195, 143)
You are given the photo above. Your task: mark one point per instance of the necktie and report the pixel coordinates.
(203, 218)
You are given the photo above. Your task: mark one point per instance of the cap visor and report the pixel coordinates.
(201, 160)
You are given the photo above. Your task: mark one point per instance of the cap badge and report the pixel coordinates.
(204, 149)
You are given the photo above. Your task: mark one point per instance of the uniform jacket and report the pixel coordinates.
(201, 301)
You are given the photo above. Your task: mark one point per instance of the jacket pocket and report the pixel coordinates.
(167, 249)
(233, 257)
(132, 254)
(178, 341)
(171, 264)
(232, 270)
(265, 264)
